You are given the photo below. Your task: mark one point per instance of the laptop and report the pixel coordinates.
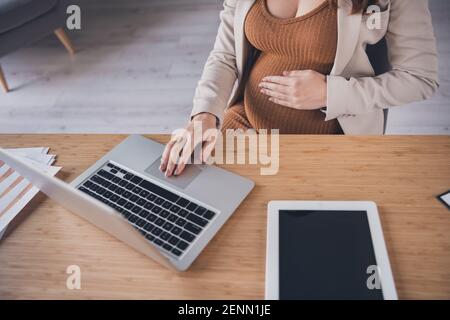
(170, 220)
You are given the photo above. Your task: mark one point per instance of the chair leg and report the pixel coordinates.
(3, 81)
(62, 36)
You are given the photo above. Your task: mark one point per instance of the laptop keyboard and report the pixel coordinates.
(163, 217)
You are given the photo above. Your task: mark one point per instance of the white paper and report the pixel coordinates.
(15, 191)
(446, 198)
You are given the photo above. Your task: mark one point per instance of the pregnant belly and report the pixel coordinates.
(264, 114)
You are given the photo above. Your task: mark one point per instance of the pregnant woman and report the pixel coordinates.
(301, 66)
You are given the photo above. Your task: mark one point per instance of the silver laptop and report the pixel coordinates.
(124, 193)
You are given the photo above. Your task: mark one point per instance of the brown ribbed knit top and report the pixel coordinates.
(300, 43)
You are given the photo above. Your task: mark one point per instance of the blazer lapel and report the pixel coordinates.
(241, 46)
(349, 26)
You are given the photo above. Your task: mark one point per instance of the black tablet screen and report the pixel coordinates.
(326, 255)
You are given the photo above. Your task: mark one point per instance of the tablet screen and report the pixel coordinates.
(325, 255)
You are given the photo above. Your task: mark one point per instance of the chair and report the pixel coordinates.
(23, 22)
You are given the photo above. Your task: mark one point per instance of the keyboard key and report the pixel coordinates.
(120, 191)
(167, 247)
(180, 222)
(151, 217)
(150, 237)
(110, 165)
(176, 230)
(101, 190)
(149, 205)
(116, 180)
(200, 210)
(123, 183)
(176, 252)
(149, 227)
(182, 202)
(192, 228)
(114, 171)
(151, 197)
(129, 205)
(144, 213)
(134, 198)
(191, 206)
(167, 226)
(96, 179)
(175, 209)
(172, 217)
(187, 236)
(141, 202)
(159, 201)
(164, 213)
(94, 187)
(137, 190)
(166, 204)
(121, 201)
(107, 194)
(156, 209)
(183, 213)
(114, 198)
(126, 213)
(165, 236)
(105, 174)
(87, 184)
(112, 187)
(197, 220)
(141, 222)
(83, 189)
(136, 179)
(132, 218)
(106, 184)
(159, 242)
(144, 193)
(209, 214)
(158, 190)
(130, 186)
(182, 245)
(159, 222)
(128, 176)
(173, 240)
(156, 231)
(127, 194)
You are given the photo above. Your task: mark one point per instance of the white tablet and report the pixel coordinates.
(326, 250)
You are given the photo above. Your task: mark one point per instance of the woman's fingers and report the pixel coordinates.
(166, 153)
(286, 81)
(276, 94)
(185, 156)
(175, 155)
(275, 87)
(208, 143)
(210, 139)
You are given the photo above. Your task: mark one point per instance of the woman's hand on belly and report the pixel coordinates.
(298, 89)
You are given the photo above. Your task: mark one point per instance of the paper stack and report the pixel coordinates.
(16, 191)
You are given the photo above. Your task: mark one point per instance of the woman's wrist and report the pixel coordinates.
(206, 117)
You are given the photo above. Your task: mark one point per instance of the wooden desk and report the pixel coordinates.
(401, 174)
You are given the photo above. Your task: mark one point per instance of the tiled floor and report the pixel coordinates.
(136, 69)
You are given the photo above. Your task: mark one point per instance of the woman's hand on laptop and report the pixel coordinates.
(179, 149)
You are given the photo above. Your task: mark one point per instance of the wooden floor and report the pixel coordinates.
(136, 69)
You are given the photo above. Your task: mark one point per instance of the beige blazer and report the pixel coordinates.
(356, 96)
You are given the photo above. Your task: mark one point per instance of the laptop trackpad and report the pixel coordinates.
(181, 181)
